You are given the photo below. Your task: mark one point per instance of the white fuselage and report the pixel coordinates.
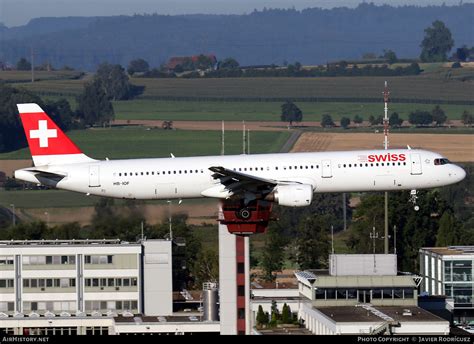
(176, 178)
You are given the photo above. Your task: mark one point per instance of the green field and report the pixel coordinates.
(32, 199)
(25, 76)
(45, 199)
(432, 86)
(141, 109)
(122, 143)
(438, 83)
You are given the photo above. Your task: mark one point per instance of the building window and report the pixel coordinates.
(341, 294)
(240, 268)
(351, 294)
(408, 293)
(330, 294)
(376, 294)
(320, 294)
(387, 294)
(240, 290)
(241, 313)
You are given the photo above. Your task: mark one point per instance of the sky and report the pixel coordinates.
(19, 12)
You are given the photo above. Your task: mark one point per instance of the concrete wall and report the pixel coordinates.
(157, 278)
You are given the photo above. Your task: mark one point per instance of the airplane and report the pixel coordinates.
(287, 179)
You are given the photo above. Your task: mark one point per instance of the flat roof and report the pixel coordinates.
(80, 242)
(451, 250)
(359, 314)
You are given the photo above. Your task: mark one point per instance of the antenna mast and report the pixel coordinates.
(386, 95)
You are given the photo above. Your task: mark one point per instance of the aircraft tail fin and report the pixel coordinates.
(49, 145)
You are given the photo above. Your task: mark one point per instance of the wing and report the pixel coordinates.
(237, 182)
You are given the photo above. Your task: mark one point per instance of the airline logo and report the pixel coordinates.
(43, 133)
(389, 157)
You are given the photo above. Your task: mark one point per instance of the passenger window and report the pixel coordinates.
(276, 167)
(344, 165)
(350, 165)
(120, 174)
(289, 167)
(250, 168)
(382, 164)
(376, 164)
(147, 173)
(142, 173)
(179, 171)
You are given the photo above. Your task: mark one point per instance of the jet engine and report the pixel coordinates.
(295, 195)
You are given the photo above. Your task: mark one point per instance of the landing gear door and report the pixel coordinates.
(326, 169)
(415, 163)
(94, 176)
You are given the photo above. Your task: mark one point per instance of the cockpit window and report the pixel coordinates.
(442, 161)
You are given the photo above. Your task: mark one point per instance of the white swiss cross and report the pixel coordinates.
(43, 133)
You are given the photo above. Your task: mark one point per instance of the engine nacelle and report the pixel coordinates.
(296, 195)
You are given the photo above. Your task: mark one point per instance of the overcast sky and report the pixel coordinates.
(19, 12)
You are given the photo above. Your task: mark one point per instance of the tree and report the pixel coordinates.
(390, 56)
(291, 113)
(138, 66)
(313, 242)
(438, 115)
(229, 63)
(437, 43)
(467, 118)
(286, 317)
(262, 318)
(94, 107)
(462, 53)
(297, 66)
(23, 64)
(375, 120)
(203, 62)
(113, 81)
(447, 231)
(326, 121)
(419, 117)
(273, 253)
(358, 119)
(345, 121)
(206, 267)
(394, 120)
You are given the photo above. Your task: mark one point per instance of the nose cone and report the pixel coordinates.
(459, 174)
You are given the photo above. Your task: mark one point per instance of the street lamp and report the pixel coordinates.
(13, 214)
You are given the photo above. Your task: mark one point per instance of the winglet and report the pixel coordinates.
(408, 146)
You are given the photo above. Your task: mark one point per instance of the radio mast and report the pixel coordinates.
(386, 95)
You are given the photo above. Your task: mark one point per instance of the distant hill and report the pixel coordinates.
(310, 36)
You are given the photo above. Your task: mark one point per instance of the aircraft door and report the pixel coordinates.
(326, 169)
(163, 191)
(415, 164)
(94, 176)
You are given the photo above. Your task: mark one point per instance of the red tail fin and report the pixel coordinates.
(48, 143)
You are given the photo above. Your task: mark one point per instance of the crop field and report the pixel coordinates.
(142, 142)
(456, 147)
(25, 76)
(146, 109)
(409, 87)
(444, 84)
